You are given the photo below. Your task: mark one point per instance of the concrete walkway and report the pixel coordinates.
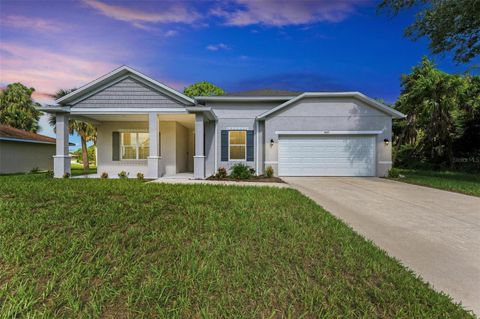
(435, 233)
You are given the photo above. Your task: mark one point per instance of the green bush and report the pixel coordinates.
(269, 172)
(66, 175)
(393, 173)
(104, 175)
(222, 172)
(49, 174)
(140, 176)
(241, 171)
(123, 175)
(34, 170)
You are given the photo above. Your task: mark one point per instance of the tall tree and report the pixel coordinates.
(203, 89)
(86, 131)
(432, 101)
(450, 25)
(17, 108)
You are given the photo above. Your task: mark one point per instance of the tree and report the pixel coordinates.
(86, 131)
(17, 108)
(203, 89)
(433, 102)
(450, 25)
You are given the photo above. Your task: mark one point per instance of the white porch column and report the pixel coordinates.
(199, 158)
(155, 165)
(61, 160)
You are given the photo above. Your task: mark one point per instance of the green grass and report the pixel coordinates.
(123, 248)
(461, 182)
(77, 169)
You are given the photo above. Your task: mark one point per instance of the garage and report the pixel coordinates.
(326, 155)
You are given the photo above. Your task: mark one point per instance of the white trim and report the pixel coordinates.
(242, 98)
(271, 162)
(385, 162)
(216, 146)
(115, 110)
(199, 156)
(244, 145)
(10, 139)
(256, 152)
(388, 110)
(123, 69)
(328, 132)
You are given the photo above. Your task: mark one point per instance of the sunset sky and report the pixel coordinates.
(238, 45)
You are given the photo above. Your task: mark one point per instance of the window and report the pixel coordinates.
(237, 145)
(135, 146)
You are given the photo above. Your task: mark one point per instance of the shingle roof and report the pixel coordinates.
(9, 133)
(265, 92)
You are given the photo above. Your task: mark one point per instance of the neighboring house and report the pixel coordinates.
(145, 126)
(22, 151)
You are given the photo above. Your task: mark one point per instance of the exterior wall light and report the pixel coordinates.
(271, 142)
(386, 141)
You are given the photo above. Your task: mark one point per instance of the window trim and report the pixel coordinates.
(244, 145)
(137, 146)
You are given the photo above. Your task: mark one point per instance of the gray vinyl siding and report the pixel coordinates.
(128, 93)
(333, 114)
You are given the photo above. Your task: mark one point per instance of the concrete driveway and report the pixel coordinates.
(435, 233)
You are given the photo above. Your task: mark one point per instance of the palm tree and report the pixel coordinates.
(86, 131)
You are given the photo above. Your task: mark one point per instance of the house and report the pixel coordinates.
(145, 126)
(22, 151)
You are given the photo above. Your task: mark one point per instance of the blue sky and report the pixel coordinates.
(238, 45)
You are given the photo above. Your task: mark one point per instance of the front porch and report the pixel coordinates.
(155, 144)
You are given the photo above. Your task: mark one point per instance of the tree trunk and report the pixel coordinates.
(86, 165)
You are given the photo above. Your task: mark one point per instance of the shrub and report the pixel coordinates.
(269, 171)
(140, 176)
(66, 175)
(34, 170)
(123, 175)
(49, 174)
(241, 171)
(222, 172)
(104, 175)
(393, 173)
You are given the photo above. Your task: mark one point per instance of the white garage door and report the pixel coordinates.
(326, 155)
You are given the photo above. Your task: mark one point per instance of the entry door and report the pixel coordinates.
(326, 155)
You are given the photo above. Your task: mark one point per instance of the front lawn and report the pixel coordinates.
(461, 182)
(123, 248)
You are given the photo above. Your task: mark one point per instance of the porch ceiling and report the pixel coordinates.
(187, 120)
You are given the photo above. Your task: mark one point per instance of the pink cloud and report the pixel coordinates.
(30, 23)
(46, 71)
(281, 13)
(176, 13)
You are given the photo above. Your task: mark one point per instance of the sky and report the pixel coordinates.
(315, 45)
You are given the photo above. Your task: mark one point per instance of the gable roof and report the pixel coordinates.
(357, 95)
(8, 133)
(123, 71)
(265, 92)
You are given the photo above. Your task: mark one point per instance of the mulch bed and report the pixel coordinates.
(255, 179)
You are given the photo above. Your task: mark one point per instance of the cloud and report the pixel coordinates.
(171, 33)
(30, 23)
(45, 70)
(284, 12)
(217, 47)
(176, 13)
